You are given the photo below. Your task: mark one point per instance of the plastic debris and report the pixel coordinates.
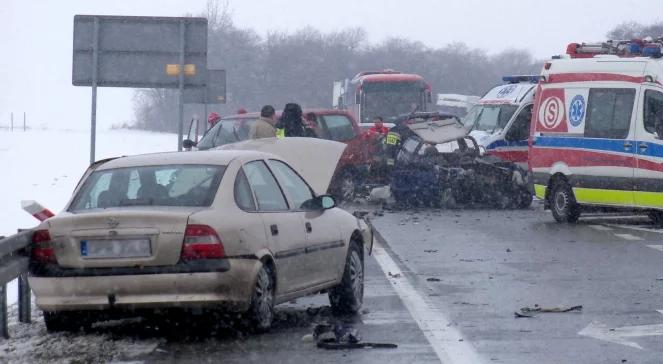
(342, 336)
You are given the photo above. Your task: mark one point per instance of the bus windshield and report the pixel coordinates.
(391, 99)
(489, 118)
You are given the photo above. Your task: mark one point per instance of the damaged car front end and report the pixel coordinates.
(441, 165)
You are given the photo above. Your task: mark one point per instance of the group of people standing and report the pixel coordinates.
(290, 124)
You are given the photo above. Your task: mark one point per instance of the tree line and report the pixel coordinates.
(302, 66)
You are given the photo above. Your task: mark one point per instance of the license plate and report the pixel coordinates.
(116, 248)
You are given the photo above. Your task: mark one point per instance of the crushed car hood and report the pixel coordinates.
(314, 159)
(439, 131)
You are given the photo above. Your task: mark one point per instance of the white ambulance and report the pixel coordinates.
(501, 119)
(597, 129)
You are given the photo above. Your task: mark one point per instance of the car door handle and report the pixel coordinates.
(309, 228)
(274, 229)
(642, 146)
(627, 145)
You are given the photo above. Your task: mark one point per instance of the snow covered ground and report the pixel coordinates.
(45, 165)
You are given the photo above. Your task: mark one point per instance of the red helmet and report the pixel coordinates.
(213, 118)
(242, 111)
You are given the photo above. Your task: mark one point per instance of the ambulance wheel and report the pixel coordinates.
(563, 203)
(656, 217)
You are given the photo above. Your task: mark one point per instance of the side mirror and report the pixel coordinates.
(188, 143)
(324, 202)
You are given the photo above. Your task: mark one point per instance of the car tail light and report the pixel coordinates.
(201, 242)
(42, 247)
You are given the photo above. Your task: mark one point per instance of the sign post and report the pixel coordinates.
(141, 52)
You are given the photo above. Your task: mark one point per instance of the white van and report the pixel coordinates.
(597, 129)
(500, 121)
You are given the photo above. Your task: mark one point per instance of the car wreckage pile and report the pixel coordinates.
(439, 164)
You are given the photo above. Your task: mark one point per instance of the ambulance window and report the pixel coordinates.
(653, 110)
(609, 113)
(519, 130)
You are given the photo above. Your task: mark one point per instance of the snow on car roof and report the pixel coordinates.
(439, 131)
(218, 157)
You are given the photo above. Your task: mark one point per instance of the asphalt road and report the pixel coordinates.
(441, 284)
(480, 266)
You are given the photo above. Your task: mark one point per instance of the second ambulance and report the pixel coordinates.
(597, 129)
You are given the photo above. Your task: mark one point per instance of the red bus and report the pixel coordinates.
(386, 93)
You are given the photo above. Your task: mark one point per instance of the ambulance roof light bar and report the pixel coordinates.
(521, 78)
(646, 47)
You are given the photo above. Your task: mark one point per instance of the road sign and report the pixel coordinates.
(213, 93)
(138, 51)
(134, 51)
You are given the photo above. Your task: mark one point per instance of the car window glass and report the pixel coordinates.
(266, 189)
(207, 141)
(410, 145)
(609, 113)
(339, 127)
(243, 194)
(167, 185)
(519, 130)
(293, 184)
(653, 110)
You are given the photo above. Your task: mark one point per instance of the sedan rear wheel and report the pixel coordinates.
(348, 296)
(261, 311)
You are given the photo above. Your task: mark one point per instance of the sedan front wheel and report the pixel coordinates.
(348, 296)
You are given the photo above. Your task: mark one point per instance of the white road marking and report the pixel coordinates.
(629, 237)
(638, 228)
(600, 227)
(447, 342)
(619, 335)
(656, 247)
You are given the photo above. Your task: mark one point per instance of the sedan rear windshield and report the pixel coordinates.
(166, 185)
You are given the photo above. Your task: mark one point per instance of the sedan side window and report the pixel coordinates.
(294, 185)
(243, 194)
(267, 191)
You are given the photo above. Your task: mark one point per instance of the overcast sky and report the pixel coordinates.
(35, 66)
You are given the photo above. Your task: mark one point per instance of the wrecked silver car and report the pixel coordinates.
(440, 165)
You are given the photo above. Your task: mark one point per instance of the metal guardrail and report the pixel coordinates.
(14, 260)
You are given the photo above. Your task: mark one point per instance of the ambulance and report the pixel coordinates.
(501, 119)
(597, 129)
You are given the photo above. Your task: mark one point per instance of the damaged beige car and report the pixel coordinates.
(234, 230)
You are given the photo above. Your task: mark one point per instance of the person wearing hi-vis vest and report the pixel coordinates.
(290, 124)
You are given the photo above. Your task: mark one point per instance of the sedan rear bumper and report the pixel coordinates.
(229, 289)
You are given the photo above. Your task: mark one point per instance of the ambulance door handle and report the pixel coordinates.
(642, 146)
(628, 145)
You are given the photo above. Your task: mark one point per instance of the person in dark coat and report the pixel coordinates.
(291, 121)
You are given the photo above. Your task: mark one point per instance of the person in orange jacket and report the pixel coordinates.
(378, 127)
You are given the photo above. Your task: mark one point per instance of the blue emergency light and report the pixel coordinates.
(521, 78)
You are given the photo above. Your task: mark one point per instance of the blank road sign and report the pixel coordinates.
(216, 90)
(134, 51)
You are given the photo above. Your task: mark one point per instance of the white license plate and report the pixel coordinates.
(116, 248)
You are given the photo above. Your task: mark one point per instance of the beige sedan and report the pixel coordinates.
(238, 230)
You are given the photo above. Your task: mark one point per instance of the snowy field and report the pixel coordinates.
(46, 165)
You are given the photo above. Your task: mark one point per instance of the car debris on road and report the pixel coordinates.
(532, 311)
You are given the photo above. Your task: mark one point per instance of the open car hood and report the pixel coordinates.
(314, 159)
(439, 131)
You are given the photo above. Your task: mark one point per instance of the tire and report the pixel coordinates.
(348, 296)
(656, 217)
(70, 321)
(563, 203)
(261, 311)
